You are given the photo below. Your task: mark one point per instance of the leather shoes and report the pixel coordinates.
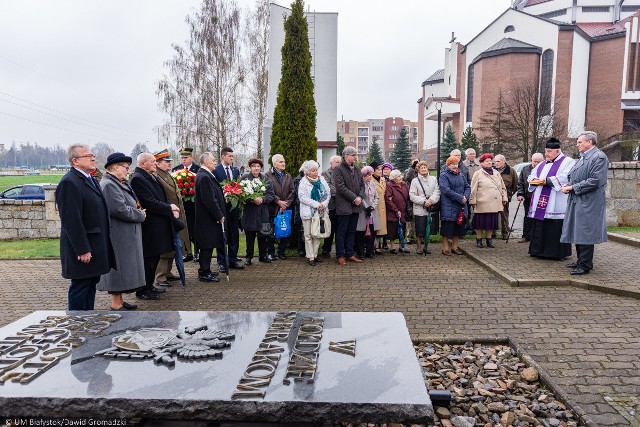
(318, 260)
(354, 259)
(265, 259)
(165, 283)
(172, 278)
(196, 258)
(283, 257)
(247, 261)
(157, 290)
(447, 253)
(129, 306)
(341, 261)
(311, 262)
(147, 296)
(187, 258)
(572, 265)
(210, 277)
(457, 251)
(579, 271)
(523, 240)
(236, 266)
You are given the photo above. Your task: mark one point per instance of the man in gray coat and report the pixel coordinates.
(349, 194)
(585, 219)
(334, 161)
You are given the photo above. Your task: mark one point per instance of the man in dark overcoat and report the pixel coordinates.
(171, 190)
(585, 222)
(284, 190)
(186, 158)
(210, 216)
(226, 171)
(350, 191)
(524, 195)
(85, 247)
(157, 228)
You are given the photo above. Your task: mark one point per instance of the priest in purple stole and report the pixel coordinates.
(548, 203)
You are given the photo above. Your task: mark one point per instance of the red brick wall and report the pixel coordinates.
(563, 68)
(388, 122)
(604, 87)
(500, 73)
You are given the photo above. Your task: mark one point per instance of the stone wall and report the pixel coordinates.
(30, 219)
(623, 194)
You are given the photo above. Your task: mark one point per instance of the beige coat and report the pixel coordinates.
(488, 192)
(381, 187)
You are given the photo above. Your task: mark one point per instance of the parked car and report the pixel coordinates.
(519, 167)
(24, 192)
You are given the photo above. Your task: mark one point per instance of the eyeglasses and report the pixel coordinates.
(88, 156)
(124, 166)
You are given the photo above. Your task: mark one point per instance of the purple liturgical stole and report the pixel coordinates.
(543, 200)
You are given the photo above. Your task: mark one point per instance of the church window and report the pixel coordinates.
(509, 28)
(546, 78)
(470, 94)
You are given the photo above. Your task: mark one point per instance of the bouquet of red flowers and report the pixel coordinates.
(233, 193)
(186, 182)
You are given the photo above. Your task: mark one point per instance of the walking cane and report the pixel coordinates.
(224, 250)
(513, 222)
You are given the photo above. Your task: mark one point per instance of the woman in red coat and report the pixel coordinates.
(396, 197)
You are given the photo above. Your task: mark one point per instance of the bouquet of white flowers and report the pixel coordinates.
(253, 188)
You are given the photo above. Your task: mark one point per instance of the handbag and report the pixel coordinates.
(434, 207)
(320, 225)
(266, 229)
(282, 223)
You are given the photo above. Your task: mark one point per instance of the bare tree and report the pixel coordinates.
(523, 118)
(258, 70)
(102, 151)
(203, 90)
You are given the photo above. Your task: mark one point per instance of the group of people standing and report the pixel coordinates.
(122, 234)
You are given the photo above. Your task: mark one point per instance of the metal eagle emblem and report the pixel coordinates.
(165, 345)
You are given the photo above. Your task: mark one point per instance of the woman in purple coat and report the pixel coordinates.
(396, 197)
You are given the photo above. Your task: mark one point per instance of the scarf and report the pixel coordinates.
(317, 192)
(488, 170)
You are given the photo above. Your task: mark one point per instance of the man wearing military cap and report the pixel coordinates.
(163, 271)
(186, 157)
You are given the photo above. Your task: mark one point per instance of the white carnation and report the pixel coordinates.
(262, 188)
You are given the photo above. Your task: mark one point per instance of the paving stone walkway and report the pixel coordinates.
(589, 342)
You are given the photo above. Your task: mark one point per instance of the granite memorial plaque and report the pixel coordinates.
(286, 367)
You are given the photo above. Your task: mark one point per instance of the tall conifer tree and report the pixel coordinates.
(401, 155)
(294, 118)
(448, 144)
(374, 152)
(469, 140)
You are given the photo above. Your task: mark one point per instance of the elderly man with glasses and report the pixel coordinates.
(85, 248)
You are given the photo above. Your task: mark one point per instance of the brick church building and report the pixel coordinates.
(582, 56)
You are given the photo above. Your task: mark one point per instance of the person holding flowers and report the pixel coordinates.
(255, 214)
(188, 168)
(225, 172)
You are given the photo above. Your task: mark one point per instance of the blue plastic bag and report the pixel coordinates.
(282, 223)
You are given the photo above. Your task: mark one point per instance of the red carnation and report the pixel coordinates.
(180, 185)
(192, 192)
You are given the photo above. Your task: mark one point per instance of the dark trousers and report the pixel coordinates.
(346, 235)
(585, 256)
(205, 261)
(328, 241)
(82, 293)
(150, 266)
(364, 243)
(233, 238)
(526, 224)
(190, 213)
(262, 244)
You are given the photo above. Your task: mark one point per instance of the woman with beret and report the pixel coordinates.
(423, 192)
(314, 194)
(368, 220)
(126, 217)
(397, 197)
(381, 185)
(488, 197)
(256, 213)
(386, 171)
(454, 194)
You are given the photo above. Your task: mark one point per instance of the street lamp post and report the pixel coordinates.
(439, 108)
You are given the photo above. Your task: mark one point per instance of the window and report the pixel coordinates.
(393, 128)
(377, 128)
(554, 14)
(470, 94)
(546, 78)
(595, 9)
(509, 28)
(393, 136)
(629, 9)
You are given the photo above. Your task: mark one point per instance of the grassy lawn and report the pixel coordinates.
(618, 229)
(30, 248)
(11, 181)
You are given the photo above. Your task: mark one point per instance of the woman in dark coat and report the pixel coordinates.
(256, 213)
(454, 194)
(396, 197)
(126, 233)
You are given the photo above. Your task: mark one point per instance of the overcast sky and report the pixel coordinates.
(86, 70)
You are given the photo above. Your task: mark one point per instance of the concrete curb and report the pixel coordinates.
(511, 281)
(626, 240)
(544, 377)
